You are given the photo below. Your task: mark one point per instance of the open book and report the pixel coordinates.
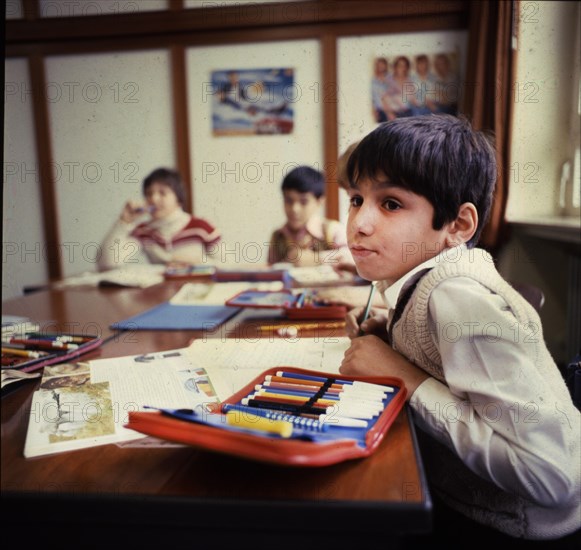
(135, 276)
(80, 405)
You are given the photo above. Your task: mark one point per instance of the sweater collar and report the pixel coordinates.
(176, 220)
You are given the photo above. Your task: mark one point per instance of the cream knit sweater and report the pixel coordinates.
(456, 482)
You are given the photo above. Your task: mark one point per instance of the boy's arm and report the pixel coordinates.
(371, 356)
(191, 253)
(510, 420)
(119, 249)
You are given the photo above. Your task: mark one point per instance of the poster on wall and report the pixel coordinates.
(404, 85)
(252, 102)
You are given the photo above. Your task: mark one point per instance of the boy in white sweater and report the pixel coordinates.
(158, 230)
(498, 429)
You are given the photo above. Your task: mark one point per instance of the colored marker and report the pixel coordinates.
(364, 392)
(144, 210)
(65, 338)
(354, 383)
(292, 408)
(327, 417)
(351, 410)
(298, 406)
(299, 421)
(331, 398)
(329, 392)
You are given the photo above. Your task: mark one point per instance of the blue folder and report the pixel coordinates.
(173, 317)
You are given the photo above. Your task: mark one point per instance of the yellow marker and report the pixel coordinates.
(253, 422)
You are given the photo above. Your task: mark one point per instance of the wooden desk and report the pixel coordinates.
(173, 495)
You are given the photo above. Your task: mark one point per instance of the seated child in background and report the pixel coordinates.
(170, 235)
(307, 239)
(499, 432)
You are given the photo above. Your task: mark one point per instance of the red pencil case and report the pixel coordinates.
(251, 275)
(295, 306)
(321, 448)
(189, 272)
(48, 354)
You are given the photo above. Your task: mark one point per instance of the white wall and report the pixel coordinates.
(236, 179)
(24, 245)
(545, 102)
(111, 124)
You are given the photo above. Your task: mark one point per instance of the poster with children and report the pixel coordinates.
(252, 101)
(405, 85)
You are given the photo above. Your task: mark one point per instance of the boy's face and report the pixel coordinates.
(389, 230)
(163, 200)
(300, 207)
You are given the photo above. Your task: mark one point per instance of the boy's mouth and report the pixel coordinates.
(360, 251)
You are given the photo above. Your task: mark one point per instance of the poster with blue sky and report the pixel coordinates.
(253, 101)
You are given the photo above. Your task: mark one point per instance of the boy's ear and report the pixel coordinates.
(462, 229)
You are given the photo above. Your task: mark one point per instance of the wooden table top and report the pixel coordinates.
(384, 493)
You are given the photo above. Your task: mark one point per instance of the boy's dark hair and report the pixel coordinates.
(168, 177)
(440, 157)
(305, 179)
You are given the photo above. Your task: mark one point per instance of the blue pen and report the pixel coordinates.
(367, 309)
(301, 299)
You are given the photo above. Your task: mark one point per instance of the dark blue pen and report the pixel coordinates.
(367, 309)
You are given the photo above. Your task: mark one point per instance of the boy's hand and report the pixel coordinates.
(371, 356)
(375, 324)
(132, 210)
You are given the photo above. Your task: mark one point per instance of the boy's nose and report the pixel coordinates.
(363, 221)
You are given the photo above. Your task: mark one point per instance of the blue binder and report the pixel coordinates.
(177, 317)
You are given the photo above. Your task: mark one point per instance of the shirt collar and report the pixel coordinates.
(391, 293)
(313, 227)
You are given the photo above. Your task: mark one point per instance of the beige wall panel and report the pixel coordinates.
(237, 178)
(23, 243)
(111, 124)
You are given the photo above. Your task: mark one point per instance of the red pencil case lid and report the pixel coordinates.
(293, 305)
(341, 444)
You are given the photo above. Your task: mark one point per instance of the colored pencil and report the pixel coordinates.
(323, 325)
(43, 344)
(24, 352)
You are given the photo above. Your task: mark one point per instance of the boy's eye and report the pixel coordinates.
(390, 204)
(356, 200)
